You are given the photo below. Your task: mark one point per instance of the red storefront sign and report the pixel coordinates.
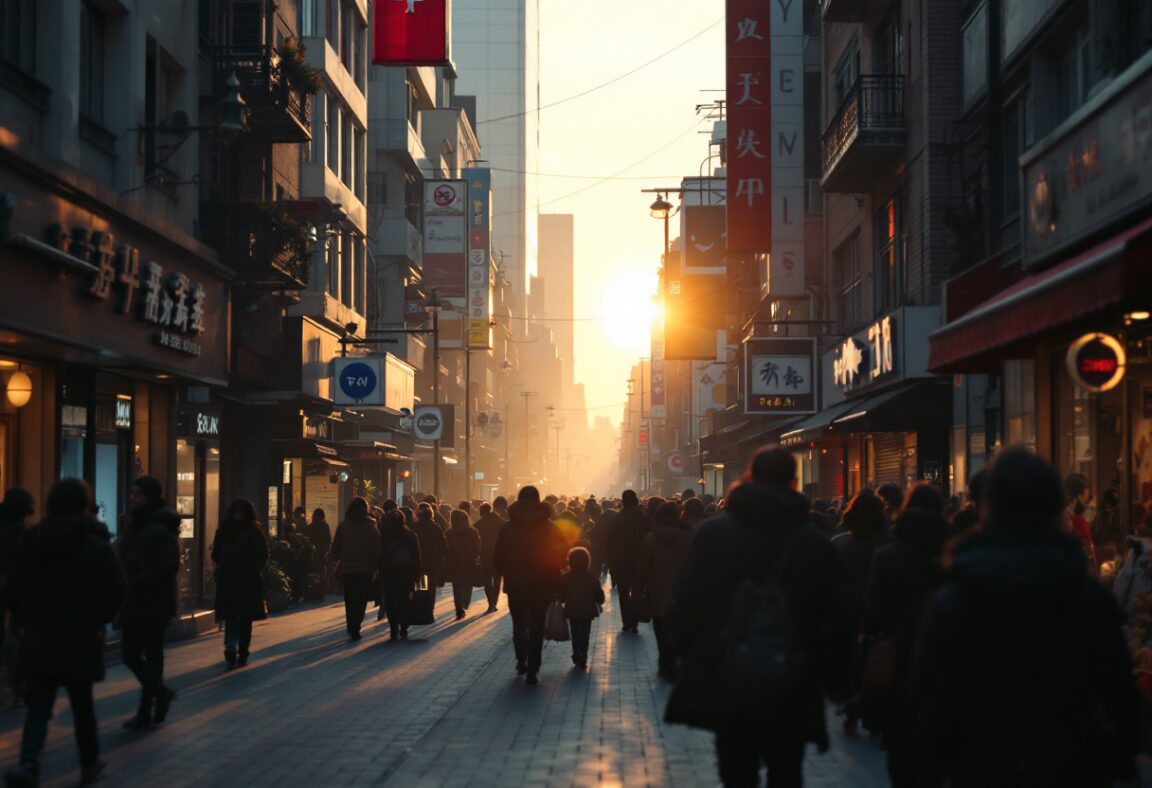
(749, 89)
(411, 33)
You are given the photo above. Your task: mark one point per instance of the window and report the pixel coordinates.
(847, 284)
(889, 54)
(890, 255)
(347, 37)
(332, 23)
(333, 265)
(845, 75)
(309, 21)
(346, 163)
(974, 54)
(361, 51)
(358, 173)
(347, 265)
(332, 133)
(1016, 136)
(1019, 395)
(18, 34)
(91, 62)
(1073, 74)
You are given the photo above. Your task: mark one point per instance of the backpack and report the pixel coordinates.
(761, 659)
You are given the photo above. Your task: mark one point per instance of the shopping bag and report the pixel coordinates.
(555, 623)
(423, 608)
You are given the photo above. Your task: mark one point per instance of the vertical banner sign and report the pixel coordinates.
(412, 32)
(479, 257)
(786, 259)
(695, 280)
(780, 376)
(749, 92)
(659, 382)
(445, 256)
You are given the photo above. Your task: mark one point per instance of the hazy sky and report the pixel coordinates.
(618, 244)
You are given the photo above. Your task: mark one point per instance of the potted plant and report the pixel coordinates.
(297, 75)
(277, 587)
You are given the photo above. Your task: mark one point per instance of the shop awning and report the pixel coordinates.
(769, 433)
(1006, 326)
(899, 409)
(365, 450)
(815, 425)
(307, 448)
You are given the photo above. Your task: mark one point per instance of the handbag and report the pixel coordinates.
(555, 623)
(423, 608)
(879, 674)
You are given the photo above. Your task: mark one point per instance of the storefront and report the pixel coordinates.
(1085, 282)
(105, 320)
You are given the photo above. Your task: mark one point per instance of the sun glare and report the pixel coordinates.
(628, 309)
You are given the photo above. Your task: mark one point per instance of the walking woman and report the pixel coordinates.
(400, 568)
(239, 552)
(463, 560)
(356, 550)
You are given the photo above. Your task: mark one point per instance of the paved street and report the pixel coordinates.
(445, 708)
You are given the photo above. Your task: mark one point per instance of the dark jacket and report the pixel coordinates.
(531, 551)
(856, 552)
(463, 554)
(240, 552)
(661, 556)
(401, 563)
(356, 547)
(150, 554)
(625, 535)
(320, 536)
(489, 525)
(433, 548)
(761, 524)
(581, 594)
(1023, 676)
(599, 548)
(67, 586)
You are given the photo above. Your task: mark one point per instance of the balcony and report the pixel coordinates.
(867, 135)
(266, 247)
(843, 10)
(277, 110)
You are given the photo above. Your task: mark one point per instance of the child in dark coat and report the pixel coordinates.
(582, 596)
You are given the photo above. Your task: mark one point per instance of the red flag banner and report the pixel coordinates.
(411, 32)
(749, 89)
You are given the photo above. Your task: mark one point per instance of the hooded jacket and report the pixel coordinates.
(530, 553)
(66, 588)
(150, 552)
(1023, 676)
(661, 555)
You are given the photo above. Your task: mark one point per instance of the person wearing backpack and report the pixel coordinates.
(758, 613)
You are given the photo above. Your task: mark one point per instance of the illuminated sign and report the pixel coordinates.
(1097, 362)
(780, 376)
(867, 357)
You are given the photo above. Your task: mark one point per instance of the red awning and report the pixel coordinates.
(1111, 273)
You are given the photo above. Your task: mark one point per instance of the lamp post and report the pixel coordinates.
(433, 305)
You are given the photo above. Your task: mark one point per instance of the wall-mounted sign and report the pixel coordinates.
(1097, 362)
(446, 239)
(412, 33)
(123, 418)
(866, 358)
(780, 376)
(479, 181)
(358, 381)
(749, 86)
(433, 423)
(676, 463)
(659, 394)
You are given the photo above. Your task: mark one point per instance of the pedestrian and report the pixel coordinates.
(500, 507)
(150, 554)
(299, 522)
(400, 568)
(1078, 495)
(1023, 677)
(66, 587)
(865, 532)
(893, 497)
(625, 536)
(582, 595)
(489, 526)
(16, 512)
(463, 560)
(600, 536)
(758, 615)
(905, 575)
(972, 515)
(662, 555)
(530, 556)
(693, 511)
(356, 551)
(444, 517)
(240, 552)
(433, 547)
(319, 533)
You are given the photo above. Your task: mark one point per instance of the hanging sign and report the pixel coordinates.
(412, 33)
(359, 381)
(749, 94)
(779, 376)
(1097, 362)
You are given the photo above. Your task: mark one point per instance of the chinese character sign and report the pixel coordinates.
(750, 93)
(412, 32)
(779, 376)
(479, 215)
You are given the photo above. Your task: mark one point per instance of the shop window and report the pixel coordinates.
(73, 432)
(891, 253)
(1019, 398)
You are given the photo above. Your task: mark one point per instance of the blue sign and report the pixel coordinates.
(357, 381)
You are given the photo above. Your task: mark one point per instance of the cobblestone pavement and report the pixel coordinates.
(444, 708)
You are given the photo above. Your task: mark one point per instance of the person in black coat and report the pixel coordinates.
(433, 546)
(67, 586)
(582, 595)
(489, 525)
(1023, 676)
(463, 560)
(240, 552)
(16, 511)
(625, 536)
(763, 530)
(530, 555)
(150, 553)
(905, 575)
(400, 567)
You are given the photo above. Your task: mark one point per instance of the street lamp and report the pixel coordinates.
(433, 306)
(661, 208)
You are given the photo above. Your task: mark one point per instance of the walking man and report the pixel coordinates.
(356, 549)
(490, 525)
(626, 534)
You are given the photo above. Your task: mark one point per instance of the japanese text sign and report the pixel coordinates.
(749, 94)
(779, 376)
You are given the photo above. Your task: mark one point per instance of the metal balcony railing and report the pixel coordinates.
(262, 82)
(875, 103)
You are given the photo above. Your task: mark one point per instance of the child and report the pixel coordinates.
(582, 596)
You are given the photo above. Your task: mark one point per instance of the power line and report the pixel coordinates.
(612, 81)
(588, 177)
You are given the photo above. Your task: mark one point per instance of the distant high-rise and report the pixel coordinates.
(557, 269)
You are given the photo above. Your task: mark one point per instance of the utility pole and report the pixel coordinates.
(647, 434)
(467, 422)
(526, 395)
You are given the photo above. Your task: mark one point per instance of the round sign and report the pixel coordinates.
(1097, 362)
(358, 381)
(444, 195)
(482, 419)
(428, 423)
(676, 463)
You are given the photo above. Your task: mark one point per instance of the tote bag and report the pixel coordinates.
(555, 623)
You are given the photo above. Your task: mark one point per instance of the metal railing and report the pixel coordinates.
(261, 79)
(874, 103)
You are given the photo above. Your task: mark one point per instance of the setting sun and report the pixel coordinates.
(628, 309)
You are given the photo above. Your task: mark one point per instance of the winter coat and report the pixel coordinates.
(531, 551)
(625, 536)
(463, 554)
(761, 524)
(1023, 676)
(856, 552)
(433, 548)
(661, 556)
(581, 594)
(600, 541)
(356, 547)
(240, 552)
(401, 562)
(905, 575)
(489, 526)
(320, 536)
(67, 586)
(150, 553)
